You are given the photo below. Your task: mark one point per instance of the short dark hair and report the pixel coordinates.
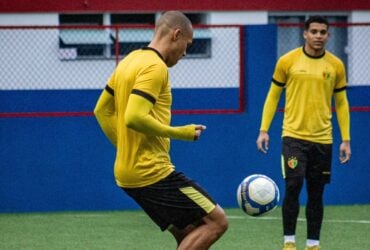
(315, 19)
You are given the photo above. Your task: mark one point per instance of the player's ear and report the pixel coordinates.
(176, 34)
(305, 34)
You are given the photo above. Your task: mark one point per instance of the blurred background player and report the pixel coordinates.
(311, 76)
(134, 112)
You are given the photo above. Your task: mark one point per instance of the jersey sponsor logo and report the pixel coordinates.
(292, 162)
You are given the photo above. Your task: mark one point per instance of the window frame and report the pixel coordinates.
(85, 49)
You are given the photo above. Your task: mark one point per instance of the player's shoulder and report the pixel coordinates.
(151, 53)
(151, 58)
(145, 58)
(291, 56)
(332, 58)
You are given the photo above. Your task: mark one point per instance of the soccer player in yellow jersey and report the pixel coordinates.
(310, 76)
(134, 112)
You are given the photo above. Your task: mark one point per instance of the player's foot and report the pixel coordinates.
(289, 246)
(313, 248)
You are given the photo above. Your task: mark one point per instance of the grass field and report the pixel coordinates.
(345, 227)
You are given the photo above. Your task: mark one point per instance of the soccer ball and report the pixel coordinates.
(257, 194)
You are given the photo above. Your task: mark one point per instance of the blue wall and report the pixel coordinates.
(66, 163)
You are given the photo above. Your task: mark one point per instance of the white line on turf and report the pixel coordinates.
(299, 219)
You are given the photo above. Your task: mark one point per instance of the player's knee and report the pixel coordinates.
(224, 225)
(221, 222)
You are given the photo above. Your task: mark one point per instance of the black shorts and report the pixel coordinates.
(307, 159)
(175, 200)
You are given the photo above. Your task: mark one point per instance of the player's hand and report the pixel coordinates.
(344, 152)
(263, 142)
(198, 131)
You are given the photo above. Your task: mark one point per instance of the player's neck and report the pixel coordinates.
(312, 52)
(160, 48)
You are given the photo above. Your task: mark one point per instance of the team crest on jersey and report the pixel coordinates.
(292, 162)
(326, 75)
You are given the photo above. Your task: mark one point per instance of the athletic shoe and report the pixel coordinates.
(313, 248)
(289, 246)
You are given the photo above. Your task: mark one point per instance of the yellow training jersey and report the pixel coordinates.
(141, 159)
(310, 83)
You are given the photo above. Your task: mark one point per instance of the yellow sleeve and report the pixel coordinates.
(341, 78)
(137, 117)
(343, 116)
(270, 106)
(106, 116)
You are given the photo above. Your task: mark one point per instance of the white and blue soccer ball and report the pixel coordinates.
(257, 195)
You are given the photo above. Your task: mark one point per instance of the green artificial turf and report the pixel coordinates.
(344, 227)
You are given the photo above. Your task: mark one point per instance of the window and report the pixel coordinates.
(132, 19)
(290, 37)
(75, 43)
(78, 19)
(131, 39)
(197, 18)
(201, 46)
(99, 43)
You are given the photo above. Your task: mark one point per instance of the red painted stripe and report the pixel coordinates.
(175, 112)
(338, 25)
(206, 111)
(351, 109)
(360, 109)
(87, 113)
(69, 6)
(115, 27)
(241, 70)
(43, 114)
